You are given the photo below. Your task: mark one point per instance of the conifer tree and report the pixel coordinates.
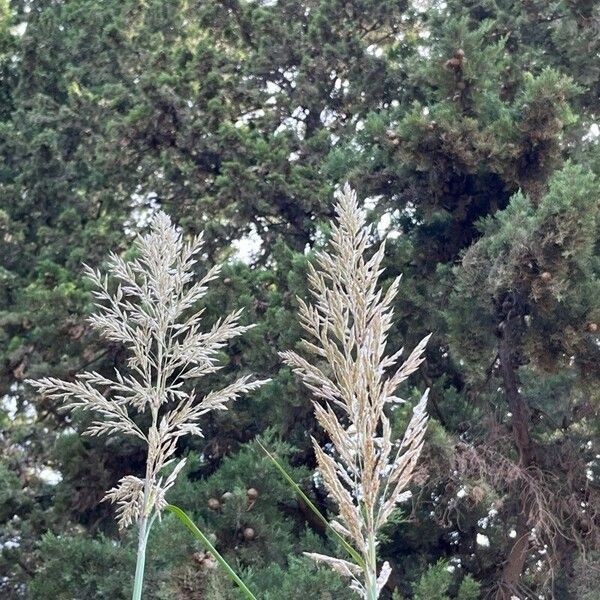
(454, 120)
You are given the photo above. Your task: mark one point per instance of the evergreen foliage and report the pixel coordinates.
(467, 126)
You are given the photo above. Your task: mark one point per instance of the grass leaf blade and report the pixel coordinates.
(183, 517)
(349, 549)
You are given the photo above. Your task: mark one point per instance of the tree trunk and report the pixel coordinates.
(517, 557)
(510, 338)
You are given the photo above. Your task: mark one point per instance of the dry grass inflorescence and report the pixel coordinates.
(147, 304)
(367, 473)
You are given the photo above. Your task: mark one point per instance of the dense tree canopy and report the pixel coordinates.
(470, 129)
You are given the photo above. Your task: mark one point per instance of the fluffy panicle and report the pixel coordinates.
(347, 325)
(145, 305)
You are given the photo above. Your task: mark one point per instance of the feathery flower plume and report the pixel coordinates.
(348, 324)
(147, 305)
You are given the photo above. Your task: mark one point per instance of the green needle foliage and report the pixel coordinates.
(469, 128)
(180, 514)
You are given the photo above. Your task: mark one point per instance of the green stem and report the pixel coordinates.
(371, 570)
(145, 526)
(182, 516)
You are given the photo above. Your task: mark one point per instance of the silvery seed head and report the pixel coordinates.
(353, 381)
(148, 305)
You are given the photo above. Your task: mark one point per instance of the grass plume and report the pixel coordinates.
(347, 327)
(147, 304)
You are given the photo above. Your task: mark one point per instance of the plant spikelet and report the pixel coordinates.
(347, 323)
(145, 304)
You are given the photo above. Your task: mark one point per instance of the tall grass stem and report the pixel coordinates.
(144, 533)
